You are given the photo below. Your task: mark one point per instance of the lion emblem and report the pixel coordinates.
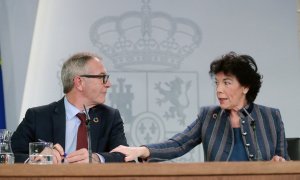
(174, 92)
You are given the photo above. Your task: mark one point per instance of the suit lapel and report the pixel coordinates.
(96, 125)
(59, 123)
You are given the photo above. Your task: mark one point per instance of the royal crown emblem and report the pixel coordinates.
(155, 40)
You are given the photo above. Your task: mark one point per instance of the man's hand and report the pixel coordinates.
(58, 154)
(81, 156)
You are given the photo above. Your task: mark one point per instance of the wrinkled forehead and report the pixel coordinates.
(95, 66)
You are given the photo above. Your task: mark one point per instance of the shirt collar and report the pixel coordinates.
(71, 110)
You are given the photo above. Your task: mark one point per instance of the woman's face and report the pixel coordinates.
(230, 93)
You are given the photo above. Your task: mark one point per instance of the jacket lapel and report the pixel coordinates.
(95, 125)
(59, 123)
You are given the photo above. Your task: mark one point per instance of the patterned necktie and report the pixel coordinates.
(82, 132)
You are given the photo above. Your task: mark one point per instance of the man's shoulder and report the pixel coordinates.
(103, 107)
(48, 107)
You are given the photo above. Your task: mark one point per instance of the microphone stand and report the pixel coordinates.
(88, 126)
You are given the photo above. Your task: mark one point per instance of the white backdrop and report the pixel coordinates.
(37, 36)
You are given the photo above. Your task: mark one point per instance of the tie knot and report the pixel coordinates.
(81, 116)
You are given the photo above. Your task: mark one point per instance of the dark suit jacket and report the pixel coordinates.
(49, 124)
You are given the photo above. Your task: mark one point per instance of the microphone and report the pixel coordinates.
(88, 122)
(258, 155)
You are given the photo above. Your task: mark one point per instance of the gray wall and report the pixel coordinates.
(152, 92)
(16, 29)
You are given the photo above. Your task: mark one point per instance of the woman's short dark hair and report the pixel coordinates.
(243, 67)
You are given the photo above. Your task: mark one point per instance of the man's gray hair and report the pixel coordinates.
(75, 66)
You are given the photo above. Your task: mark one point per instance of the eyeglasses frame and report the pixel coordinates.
(104, 77)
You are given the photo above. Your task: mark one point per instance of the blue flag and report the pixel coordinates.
(2, 110)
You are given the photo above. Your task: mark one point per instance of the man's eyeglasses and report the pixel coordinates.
(104, 77)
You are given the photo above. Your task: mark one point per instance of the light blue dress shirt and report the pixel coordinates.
(72, 124)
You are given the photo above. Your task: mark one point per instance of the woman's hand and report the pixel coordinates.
(132, 153)
(277, 159)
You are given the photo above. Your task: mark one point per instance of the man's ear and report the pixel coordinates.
(78, 83)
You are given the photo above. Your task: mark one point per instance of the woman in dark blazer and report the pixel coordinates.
(236, 130)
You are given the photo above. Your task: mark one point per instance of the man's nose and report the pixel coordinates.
(108, 84)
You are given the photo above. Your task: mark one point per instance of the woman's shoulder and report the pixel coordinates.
(212, 109)
(264, 108)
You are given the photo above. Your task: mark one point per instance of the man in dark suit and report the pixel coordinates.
(85, 83)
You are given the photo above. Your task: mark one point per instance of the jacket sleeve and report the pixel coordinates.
(178, 145)
(281, 146)
(22, 136)
(116, 138)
